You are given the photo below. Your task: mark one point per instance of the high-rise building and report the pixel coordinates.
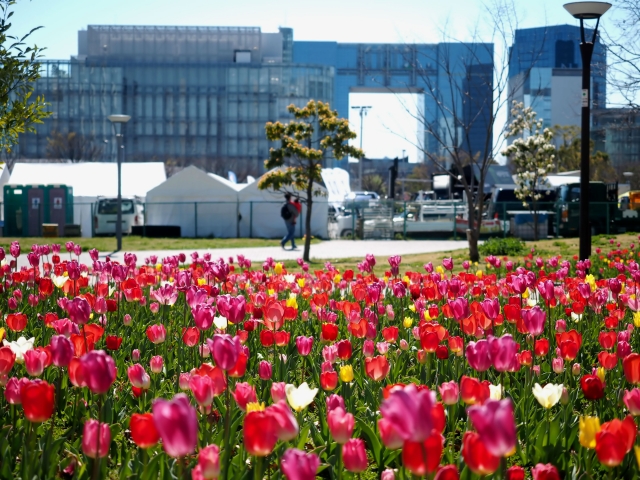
(196, 95)
(455, 82)
(545, 73)
(202, 95)
(616, 131)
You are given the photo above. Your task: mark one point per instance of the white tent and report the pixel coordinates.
(89, 181)
(337, 182)
(260, 214)
(202, 204)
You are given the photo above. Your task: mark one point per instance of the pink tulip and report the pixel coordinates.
(243, 394)
(304, 345)
(34, 362)
(546, 289)
(409, 410)
(156, 364)
(534, 320)
(561, 326)
(447, 263)
(96, 438)
(65, 327)
(202, 388)
(167, 294)
(138, 377)
(286, 423)
(183, 381)
(479, 355)
(557, 364)
(62, 350)
(299, 465)
(354, 455)
(225, 350)
(156, 333)
(177, 424)
(495, 423)
(450, 392)
(491, 308)
(503, 353)
(209, 462)
(368, 348)
(460, 308)
(232, 308)
(264, 370)
(99, 371)
(334, 401)
(79, 310)
(390, 437)
(632, 401)
(13, 388)
(203, 316)
(341, 425)
(278, 391)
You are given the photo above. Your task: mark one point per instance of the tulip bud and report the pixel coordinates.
(404, 345)
(564, 398)
(536, 370)
(184, 381)
(156, 364)
(561, 326)
(264, 370)
(126, 320)
(558, 365)
(135, 355)
(368, 348)
(278, 391)
(204, 351)
(388, 474)
(575, 369)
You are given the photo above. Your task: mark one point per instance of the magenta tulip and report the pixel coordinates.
(534, 320)
(503, 353)
(177, 423)
(286, 424)
(409, 410)
(491, 308)
(278, 391)
(62, 350)
(99, 371)
(203, 316)
(304, 345)
(96, 438)
(354, 455)
(341, 425)
(209, 461)
(299, 465)
(79, 310)
(495, 423)
(34, 362)
(460, 308)
(203, 389)
(479, 355)
(156, 363)
(225, 350)
(546, 289)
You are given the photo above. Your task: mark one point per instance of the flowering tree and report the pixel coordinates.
(532, 154)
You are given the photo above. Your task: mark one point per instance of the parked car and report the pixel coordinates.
(106, 212)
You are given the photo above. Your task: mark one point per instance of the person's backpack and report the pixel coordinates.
(285, 212)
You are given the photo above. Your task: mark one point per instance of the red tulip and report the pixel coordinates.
(515, 473)
(390, 334)
(191, 336)
(592, 387)
(76, 374)
(448, 472)
(609, 448)
(329, 380)
(422, 458)
(156, 333)
(631, 367)
(16, 322)
(37, 398)
(96, 438)
(472, 391)
(99, 371)
(624, 429)
(113, 342)
(282, 338)
(329, 332)
(341, 425)
(260, 433)
(143, 430)
(607, 340)
(376, 368)
(354, 455)
(240, 367)
(7, 360)
(476, 456)
(569, 344)
(608, 360)
(545, 472)
(541, 347)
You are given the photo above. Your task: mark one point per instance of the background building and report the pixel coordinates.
(545, 73)
(616, 131)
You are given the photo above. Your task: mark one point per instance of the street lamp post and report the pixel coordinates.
(586, 11)
(118, 122)
(363, 113)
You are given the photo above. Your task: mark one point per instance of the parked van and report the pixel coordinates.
(106, 212)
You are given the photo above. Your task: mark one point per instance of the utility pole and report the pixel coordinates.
(363, 113)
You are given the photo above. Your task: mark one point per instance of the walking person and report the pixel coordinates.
(289, 214)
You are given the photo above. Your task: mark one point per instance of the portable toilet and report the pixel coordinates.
(27, 207)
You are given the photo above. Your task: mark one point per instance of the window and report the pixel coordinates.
(565, 54)
(110, 206)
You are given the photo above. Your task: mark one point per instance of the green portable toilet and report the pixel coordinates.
(27, 207)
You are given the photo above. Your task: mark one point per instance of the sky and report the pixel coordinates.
(388, 128)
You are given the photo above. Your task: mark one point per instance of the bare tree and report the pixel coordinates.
(73, 147)
(472, 85)
(623, 48)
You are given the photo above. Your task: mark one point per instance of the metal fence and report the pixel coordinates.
(367, 220)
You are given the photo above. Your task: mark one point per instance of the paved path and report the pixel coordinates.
(325, 250)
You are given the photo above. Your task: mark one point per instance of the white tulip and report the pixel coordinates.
(549, 395)
(20, 347)
(495, 392)
(299, 398)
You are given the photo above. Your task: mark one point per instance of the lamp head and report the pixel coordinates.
(118, 118)
(587, 10)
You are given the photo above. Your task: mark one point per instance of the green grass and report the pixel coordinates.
(134, 243)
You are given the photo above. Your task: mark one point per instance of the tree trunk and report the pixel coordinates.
(307, 222)
(472, 238)
(473, 231)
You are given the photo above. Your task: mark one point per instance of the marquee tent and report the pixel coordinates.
(91, 180)
(202, 204)
(260, 214)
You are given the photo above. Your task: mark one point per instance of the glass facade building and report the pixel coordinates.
(545, 73)
(616, 131)
(455, 80)
(195, 95)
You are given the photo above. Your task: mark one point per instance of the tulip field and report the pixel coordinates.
(196, 367)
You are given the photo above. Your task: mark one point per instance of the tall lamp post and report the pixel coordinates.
(118, 122)
(363, 113)
(586, 11)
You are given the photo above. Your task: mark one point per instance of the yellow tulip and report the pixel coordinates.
(255, 407)
(292, 302)
(407, 322)
(412, 307)
(201, 281)
(439, 269)
(278, 268)
(301, 282)
(2, 332)
(479, 274)
(636, 450)
(600, 373)
(427, 317)
(337, 278)
(636, 319)
(589, 427)
(346, 373)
